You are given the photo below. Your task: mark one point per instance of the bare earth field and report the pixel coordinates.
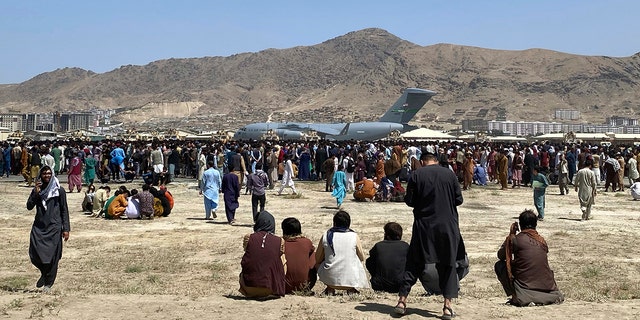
(183, 267)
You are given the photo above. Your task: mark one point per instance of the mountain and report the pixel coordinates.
(349, 78)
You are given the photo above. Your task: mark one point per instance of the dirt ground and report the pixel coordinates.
(183, 267)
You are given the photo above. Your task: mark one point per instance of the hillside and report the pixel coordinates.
(352, 77)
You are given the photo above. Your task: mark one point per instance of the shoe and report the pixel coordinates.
(400, 308)
(540, 219)
(46, 289)
(449, 316)
(232, 222)
(213, 214)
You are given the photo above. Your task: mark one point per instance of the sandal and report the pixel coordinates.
(449, 316)
(400, 308)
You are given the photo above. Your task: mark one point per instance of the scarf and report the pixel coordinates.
(265, 222)
(614, 162)
(51, 190)
(330, 236)
(533, 234)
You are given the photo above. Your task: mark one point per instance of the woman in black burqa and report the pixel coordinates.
(50, 226)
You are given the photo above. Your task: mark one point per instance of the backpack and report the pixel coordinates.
(351, 166)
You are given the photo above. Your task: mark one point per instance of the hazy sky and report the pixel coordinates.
(38, 36)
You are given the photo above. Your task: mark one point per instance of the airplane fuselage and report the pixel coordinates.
(395, 119)
(297, 130)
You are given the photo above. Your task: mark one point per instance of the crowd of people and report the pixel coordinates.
(435, 175)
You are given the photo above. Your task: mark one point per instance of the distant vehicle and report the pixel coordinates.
(395, 120)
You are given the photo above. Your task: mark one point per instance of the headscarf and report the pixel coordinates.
(265, 222)
(330, 236)
(52, 188)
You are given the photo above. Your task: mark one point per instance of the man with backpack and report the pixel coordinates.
(350, 167)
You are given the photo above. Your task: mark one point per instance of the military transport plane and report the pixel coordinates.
(395, 119)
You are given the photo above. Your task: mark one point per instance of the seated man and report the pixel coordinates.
(339, 257)
(146, 201)
(99, 199)
(117, 207)
(263, 263)
(523, 269)
(365, 189)
(133, 206)
(480, 175)
(87, 202)
(301, 274)
(387, 260)
(635, 190)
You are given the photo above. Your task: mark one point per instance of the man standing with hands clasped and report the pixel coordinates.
(434, 193)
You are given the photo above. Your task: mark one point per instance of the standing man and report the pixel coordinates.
(563, 178)
(211, 184)
(272, 167)
(328, 167)
(257, 183)
(571, 163)
(502, 166)
(157, 161)
(434, 193)
(586, 188)
(50, 227)
(56, 152)
(231, 189)
(287, 176)
(540, 184)
(620, 172)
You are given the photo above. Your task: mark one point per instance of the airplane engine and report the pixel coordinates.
(290, 134)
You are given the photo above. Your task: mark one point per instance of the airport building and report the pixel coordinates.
(564, 114)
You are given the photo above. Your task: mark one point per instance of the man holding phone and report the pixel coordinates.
(50, 226)
(523, 269)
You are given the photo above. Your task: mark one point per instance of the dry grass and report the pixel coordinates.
(194, 265)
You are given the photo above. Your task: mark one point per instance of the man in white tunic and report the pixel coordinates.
(585, 186)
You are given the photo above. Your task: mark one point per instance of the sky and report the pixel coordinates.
(38, 36)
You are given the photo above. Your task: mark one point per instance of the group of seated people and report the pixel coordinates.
(128, 204)
(368, 189)
(274, 266)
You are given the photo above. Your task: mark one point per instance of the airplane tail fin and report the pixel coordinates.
(411, 101)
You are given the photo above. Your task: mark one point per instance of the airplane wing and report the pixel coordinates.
(323, 129)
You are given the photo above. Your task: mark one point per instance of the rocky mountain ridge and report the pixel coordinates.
(353, 77)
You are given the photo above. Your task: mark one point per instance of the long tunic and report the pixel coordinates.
(262, 263)
(586, 184)
(434, 193)
(300, 260)
(339, 186)
(539, 191)
(45, 245)
(304, 169)
(530, 267)
(231, 190)
(89, 169)
(211, 183)
(342, 268)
